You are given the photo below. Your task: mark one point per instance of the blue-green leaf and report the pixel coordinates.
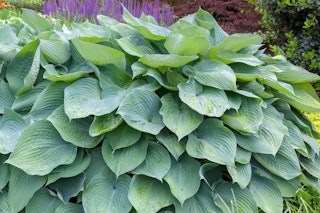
(99, 54)
(43, 201)
(51, 150)
(123, 136)
(171, 142)
(126, 159)
(156, 164)
(213, 141)
(231, 198)
(213, 73)
(105, 193)
(148, 194)
(74, 131)
(266, 194)
(183, 178)
(24, 186)
(140, 110)
(24, 68)
(166, 60)
(148, 29)
(83, 98)
(11, 127)
(205, 100)
(247, 119)
(179, 117)
(48, 100)
(201, 202)
(6, 96)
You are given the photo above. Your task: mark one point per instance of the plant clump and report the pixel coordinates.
(137, 117)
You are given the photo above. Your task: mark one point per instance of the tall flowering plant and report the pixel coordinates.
(89, 9)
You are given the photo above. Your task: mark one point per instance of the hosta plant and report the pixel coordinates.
(136, 117)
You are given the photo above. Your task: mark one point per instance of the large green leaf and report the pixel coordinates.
(205, 19)
(148, 29)
(75, 186)
(61, 73)
(231, 198)
(11, 126)
(97, 165)
(166, 60)
(69, 207)
(213, 73)
(269, 137)
(48, 100)
(247, 119)
(55, 51)
(302, 101)
(179, 117)
(25, 101)
(134, 46)
(229, 57)
(4, 172)
(79, 165)
(148, 195)
(22, 188)
(201, 202)
(107, 194)
(104, 123)
(83, 98)
(4, 206)
(24, 68)
(311, 165)
(236, 42)
(140, 110)
(241, 174)
(183, 178)
(205, 100)
(7, 35)
(43, 201)
(156, 164)
(40, 149)
(213, 141)
(184, 45)
(266, 194)
(288, 188)
(171, 142)
(6, 96)
(294, 74)
(296, 138)
(110, 75)
(126, 159)
(169, 80)
(123, 136)
(284, 164)
(243, 156)
(39, 23)
(75, 131)
(132, 41)
(99, 54)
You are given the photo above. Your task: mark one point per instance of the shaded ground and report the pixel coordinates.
(233, 15)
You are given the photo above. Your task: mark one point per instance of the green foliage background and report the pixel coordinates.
(292, 29)
(137, 117)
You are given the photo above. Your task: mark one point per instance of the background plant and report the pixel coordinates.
(89, 9)
(137, 117)
(293, 30)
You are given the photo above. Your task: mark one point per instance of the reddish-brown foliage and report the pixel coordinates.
(233, 15)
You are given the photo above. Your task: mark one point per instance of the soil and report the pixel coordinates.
(234, 16)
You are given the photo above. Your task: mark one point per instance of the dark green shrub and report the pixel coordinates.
(293, 30)
(136, 117)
